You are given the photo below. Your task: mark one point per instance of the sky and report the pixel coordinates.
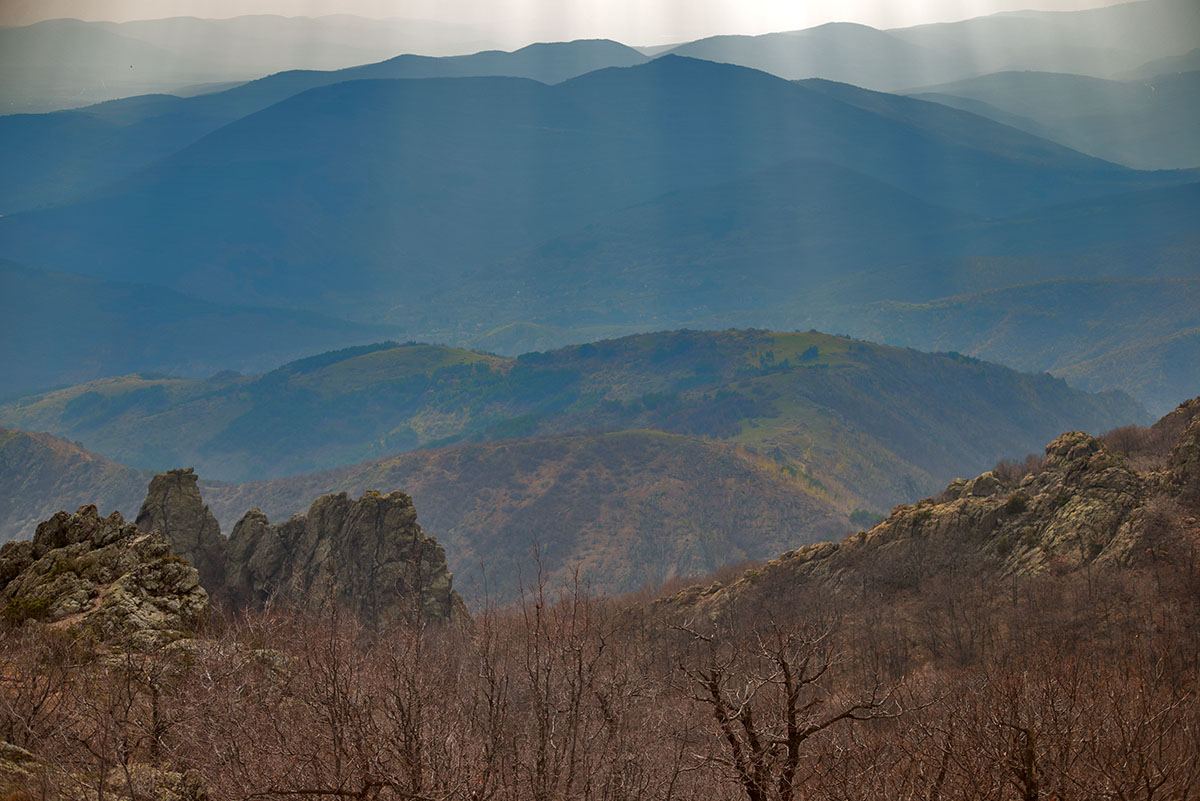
(643, 22)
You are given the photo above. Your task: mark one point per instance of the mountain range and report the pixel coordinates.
(62, 329)
(259, 209)
(573, 191)
(1148, 123)
(1101, 42)
(65, 63)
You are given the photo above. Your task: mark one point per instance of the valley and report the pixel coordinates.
(528, 401)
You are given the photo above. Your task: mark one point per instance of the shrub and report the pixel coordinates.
(1008, 471)
(1016, 503)
(19, 610)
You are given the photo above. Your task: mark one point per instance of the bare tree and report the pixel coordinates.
(770, 693)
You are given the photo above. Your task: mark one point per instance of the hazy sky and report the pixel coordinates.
(632, 21)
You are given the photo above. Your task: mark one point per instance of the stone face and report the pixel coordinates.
(173, 508)
(100, 575)
(369, 556)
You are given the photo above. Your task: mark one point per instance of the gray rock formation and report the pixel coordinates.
(173, 508)
(100, 575)
(369, 556)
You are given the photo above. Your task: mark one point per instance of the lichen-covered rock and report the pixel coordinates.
(148, 782)
(173, 508)
(25, 776)
(369, 556)
(101, 575)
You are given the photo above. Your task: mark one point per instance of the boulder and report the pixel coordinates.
(101, 575)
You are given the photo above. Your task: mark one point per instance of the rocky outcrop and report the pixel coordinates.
(1086, 503)
(1185, 466)
(101, 575)
(369, 556)
(174, 509)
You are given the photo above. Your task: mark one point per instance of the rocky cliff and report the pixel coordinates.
(101, 575)
(174, 509)
(1128, 499)
(368, 555)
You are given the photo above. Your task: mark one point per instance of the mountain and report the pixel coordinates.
(1149, 123)
(382, 177)
(838, 51)
(63, 329)
(1139, 336)
(65, 63)
(41, 474)
(1045, 611)
(42, 65)
(51, 158)
(1185, 62)
(805, 401)
(1097, 42)
(631, 507)
(784, 246)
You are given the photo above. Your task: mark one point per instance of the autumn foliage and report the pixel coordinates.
(1071, 687)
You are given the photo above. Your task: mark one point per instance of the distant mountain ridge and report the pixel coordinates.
(1137, 335)
(55, 157)
(1149, 123)
(318, 178)
(65, 63)
(1099, 42)
(63, 329)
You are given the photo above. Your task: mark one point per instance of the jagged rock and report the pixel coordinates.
(100, 575)
(368, 555)
(173, 508)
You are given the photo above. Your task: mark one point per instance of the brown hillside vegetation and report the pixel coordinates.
(41, 474)
(624, 509)
(919, 662)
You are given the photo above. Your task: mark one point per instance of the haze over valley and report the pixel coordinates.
(562, 401)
